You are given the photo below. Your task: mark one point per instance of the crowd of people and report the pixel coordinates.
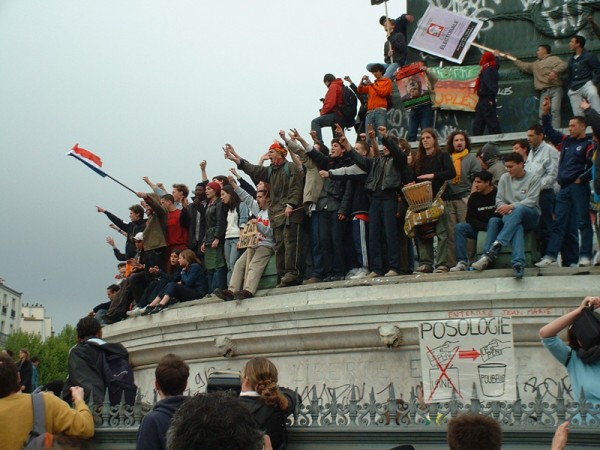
(256, 419)
(329, 211)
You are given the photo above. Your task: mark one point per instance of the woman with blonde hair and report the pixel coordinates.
(269, 404)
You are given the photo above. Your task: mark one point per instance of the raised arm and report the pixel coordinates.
(559, 324)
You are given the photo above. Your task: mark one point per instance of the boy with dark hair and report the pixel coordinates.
(129, 229)
(474, 431)
(86, 360)
(480, 209)
(171, 375)
(216, 420)
(331, 112)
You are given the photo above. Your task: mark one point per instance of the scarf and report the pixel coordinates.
(591, 355)
(487, 60)
(457, 159)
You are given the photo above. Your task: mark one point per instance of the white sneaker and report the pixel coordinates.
(391, 273)
(584, 261)
(360, 273)
(482, 263)
(351, 273)
(546, 261)
(137, 311)
(459, 267)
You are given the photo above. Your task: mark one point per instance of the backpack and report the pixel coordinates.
(116, 372)
(38, 437)
(349, 107)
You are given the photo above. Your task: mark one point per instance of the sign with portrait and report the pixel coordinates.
(412, 85)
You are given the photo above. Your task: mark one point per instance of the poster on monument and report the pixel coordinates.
(445, 34)
(412, 85)
(454, 89)
(457, 354)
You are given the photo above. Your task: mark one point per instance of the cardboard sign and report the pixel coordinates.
(457, 353)
(445, 34)
(249, 236)
(454, 89)
(412, 85)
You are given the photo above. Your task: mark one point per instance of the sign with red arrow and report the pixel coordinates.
(455, 354)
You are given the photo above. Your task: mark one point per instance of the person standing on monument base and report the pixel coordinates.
(546, 72)
(285, 210)
(584, 74)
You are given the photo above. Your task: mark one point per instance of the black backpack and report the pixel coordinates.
(116, 372)
(349, 107)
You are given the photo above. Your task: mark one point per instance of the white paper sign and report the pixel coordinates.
(457, 353)
(445, 34)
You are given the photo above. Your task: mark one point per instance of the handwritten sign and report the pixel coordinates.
(457, 353)
(249, 236)
(454, 89)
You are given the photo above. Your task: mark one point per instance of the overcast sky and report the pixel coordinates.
(153, 87)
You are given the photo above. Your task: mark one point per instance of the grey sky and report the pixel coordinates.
(153, 87)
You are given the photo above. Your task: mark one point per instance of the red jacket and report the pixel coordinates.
(333, 98)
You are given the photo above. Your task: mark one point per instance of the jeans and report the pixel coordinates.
(383, 223)
(571, 211)
(420, 117)
(555, 93)
(184, 293)
(377, 118)
(231, 255)
(217, 279)
(318, 268)
(587, 91)
(510, 228)
(462, 232)
(332, 242)
(546, 202)
(390, 69)
(327, 120)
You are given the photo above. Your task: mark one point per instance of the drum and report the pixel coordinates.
(418, 196)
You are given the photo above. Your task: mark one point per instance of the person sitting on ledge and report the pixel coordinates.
(517, 204)
(193, 284)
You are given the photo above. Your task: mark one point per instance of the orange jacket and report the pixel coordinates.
(378, 92)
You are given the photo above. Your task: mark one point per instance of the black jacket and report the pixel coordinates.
(152, 433)
(271, 418)
(386, 173)
(85, 368)
(131, 228)
(336, 194)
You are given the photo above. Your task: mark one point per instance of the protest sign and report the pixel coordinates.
(455, 354)
(249, 236)
(445, 34)
(454, 89)
(412, 85)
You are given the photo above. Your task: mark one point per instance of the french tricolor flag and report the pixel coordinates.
(88, 158)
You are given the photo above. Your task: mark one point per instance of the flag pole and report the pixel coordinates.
(117, 181)
(483, 47)
(387, 19)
